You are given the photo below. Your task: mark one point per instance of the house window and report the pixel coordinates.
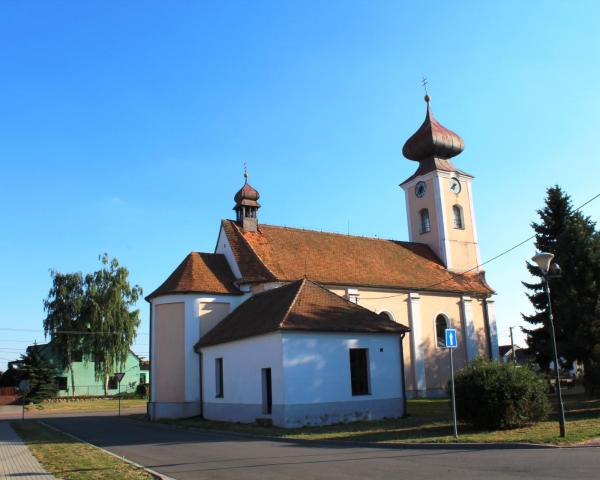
(425, 223)
(219, 377)
(353, 295)
(441, 324)
(113, 383)
(359, 371)
(60, 382)
(267, 392)
(458, 217)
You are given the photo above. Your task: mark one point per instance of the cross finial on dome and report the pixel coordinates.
(424, 82)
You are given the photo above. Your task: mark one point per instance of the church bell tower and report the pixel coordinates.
(246, 206)
(439, 199)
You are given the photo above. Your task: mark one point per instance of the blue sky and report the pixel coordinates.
(125, 126)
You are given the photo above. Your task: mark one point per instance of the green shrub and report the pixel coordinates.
(496, 395)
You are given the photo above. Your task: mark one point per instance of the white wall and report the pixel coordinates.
(191, 336)
(317, 367)
(243, 361)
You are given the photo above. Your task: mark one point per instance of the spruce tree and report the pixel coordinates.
(39, 373)
(572, 238)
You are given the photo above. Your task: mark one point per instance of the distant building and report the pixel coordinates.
(212, 354)
(83, 374)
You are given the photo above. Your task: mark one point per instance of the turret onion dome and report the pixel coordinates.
(432, 140)
(247, 195)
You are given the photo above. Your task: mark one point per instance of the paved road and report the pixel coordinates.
(186, 454)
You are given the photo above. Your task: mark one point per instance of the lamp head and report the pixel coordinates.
(543, 261)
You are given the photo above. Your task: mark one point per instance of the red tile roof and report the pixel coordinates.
(298, 306)
(199, 273)
(287, 254)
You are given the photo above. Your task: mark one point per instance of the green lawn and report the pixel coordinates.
(82, 405)
(68, 459)
(430, 421)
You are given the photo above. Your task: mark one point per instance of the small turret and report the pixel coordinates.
(246, 206)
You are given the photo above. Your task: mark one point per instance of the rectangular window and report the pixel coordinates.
(219, 377)
(267, 392)
(359, 371)
(113, 383)
(61, 383)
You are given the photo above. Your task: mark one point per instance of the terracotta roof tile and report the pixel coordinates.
(287, 254)
(298, 306)
(199, 273)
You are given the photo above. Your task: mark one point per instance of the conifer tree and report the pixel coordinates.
(39, 373)
(572, 238)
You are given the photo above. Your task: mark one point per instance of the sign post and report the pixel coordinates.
(24, 388)
(119, 376)
(451, 344)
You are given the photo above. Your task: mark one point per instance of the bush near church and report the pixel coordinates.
(495, 395)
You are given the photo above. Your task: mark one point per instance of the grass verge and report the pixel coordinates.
(430, 421)
(68, 459)
(81, 405)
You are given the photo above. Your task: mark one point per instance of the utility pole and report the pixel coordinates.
(512, 345)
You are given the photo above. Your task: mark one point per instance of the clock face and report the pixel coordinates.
(455, 185)
(420, 189)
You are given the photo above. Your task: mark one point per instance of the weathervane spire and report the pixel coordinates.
(424, 82)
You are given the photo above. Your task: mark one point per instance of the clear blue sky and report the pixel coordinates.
(124, 127)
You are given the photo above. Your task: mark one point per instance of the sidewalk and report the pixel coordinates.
(16, 461)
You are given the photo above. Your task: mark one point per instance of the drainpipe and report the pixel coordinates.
(488, 333)
(402, 378)
(150, 380)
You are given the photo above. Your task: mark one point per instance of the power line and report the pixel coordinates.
(457, 275)
(70, 332)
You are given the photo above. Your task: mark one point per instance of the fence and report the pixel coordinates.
(96, 390)
(9, 391)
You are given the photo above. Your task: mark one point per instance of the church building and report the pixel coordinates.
(295, 327)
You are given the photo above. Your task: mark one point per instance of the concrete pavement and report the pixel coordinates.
(187, 454)
(16, 461)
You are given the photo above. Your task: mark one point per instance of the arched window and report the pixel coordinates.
(441, 324)
(458, 217)
(425, 224)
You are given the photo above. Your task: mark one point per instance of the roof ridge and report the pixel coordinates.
(247, 243)
(301, 283)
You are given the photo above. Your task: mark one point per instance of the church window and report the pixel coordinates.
(219, 377)
(458, 217)
(359, 371)
(441, 324)
(425, 224)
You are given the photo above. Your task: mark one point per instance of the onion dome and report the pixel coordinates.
(247, 195)
(432, 140)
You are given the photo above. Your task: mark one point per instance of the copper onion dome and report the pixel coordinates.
(247, 195)
(432, 140)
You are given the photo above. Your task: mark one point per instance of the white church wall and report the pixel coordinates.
(193, 307)
(317, 380)
(243, 361)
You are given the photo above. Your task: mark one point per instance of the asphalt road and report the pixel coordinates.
(187, 454)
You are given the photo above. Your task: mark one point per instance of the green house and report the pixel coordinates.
(82, 382)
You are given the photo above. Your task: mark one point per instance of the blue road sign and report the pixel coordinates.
(451, 341)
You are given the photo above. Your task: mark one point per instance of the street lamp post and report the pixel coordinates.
(543, 261)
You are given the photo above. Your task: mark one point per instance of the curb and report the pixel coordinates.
(355, 443)
(154, 473)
